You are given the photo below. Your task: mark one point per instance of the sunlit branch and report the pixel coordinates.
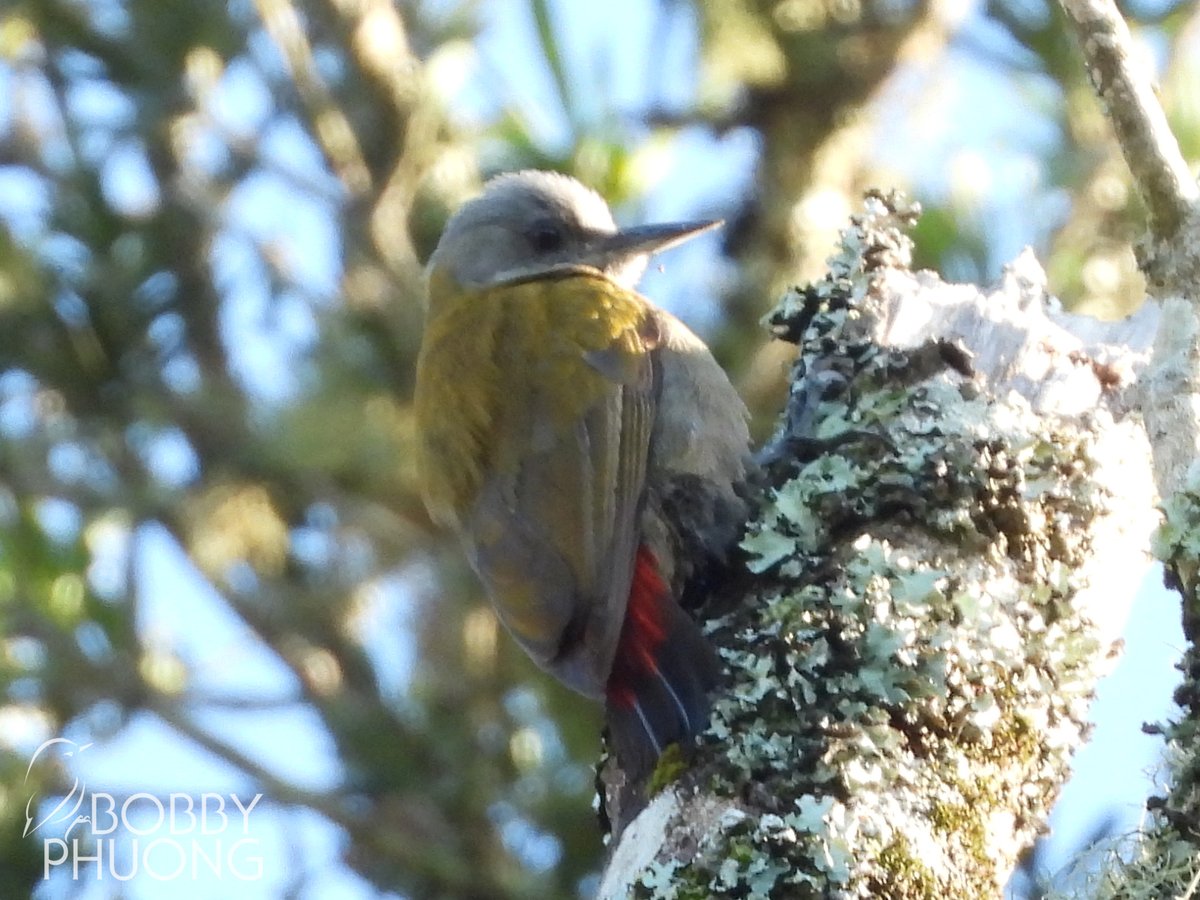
(1150, 149)
(330, 126)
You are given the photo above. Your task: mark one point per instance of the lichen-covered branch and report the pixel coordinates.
(1126, 89)
(1164, 860)
(938, 553)
(1170, 255)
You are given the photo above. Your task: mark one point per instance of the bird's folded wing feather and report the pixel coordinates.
(566, 481)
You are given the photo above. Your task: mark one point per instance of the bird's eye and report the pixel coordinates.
(546, 237)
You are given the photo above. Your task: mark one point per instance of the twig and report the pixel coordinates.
(329, 804)
(1150, 149)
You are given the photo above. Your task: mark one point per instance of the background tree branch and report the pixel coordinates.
(1122, 79)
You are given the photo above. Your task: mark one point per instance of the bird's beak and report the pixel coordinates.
(645, 240)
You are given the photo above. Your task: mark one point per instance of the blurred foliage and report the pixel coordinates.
(191, 187)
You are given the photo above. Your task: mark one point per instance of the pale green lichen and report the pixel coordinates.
(671, 764)
(913, 674)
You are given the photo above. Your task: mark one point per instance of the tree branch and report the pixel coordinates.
(1159, 169)
(958, 504)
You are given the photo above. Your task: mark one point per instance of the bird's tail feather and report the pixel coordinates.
(663, 670)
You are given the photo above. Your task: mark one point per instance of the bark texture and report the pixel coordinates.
(957, 499)
(1164, 860)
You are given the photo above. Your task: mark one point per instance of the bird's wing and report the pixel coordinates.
(555, 526)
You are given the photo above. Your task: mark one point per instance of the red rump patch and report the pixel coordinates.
(643, 631)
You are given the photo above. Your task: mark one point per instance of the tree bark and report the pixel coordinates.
(959, 498)
(956, 505)
(1164, 860)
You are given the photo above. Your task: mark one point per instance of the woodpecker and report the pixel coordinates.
(583, 444)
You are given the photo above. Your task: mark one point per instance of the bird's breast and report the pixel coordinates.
(504, 374)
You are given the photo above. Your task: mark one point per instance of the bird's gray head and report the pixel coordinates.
(530, 223)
